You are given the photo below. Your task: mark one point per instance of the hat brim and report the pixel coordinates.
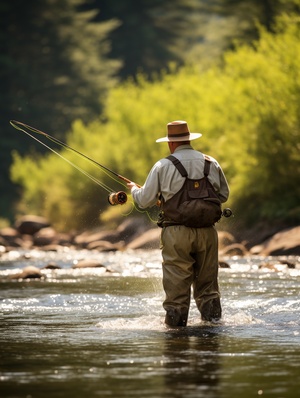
(190, 137)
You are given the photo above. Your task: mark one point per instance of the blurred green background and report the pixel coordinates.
(107, 76)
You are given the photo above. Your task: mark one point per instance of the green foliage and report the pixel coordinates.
(59, 59)
(247, 110)
(267, 78)
(53, 69)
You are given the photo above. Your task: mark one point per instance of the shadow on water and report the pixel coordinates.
(192, 362)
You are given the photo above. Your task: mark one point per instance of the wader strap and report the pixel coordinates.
(178, 165)
(183, 171)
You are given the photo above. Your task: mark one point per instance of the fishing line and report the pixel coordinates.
(94, 179)
(17, 125)
(113, 198)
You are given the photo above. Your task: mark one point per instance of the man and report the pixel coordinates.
(190, 254)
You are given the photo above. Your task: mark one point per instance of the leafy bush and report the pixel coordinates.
(247, 110)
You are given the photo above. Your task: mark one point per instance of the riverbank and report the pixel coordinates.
(33, 232)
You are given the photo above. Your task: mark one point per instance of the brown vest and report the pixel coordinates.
(195, 205)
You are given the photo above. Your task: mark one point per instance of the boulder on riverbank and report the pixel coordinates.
(137, 233)
(286, 242)
(31, 224)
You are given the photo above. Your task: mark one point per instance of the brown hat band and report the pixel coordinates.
(179, 135)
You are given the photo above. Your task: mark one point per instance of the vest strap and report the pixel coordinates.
(178, 165)
(181, 168)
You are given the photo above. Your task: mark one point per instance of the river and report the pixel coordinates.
(100, 332)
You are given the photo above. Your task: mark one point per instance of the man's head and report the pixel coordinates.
(173, 145)
(178, 131)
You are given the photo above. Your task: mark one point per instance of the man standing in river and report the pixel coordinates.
(189, 247)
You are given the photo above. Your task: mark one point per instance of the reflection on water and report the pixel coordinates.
(192, 360)
(100, 332)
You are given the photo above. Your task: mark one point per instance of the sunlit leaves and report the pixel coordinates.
(247, 111)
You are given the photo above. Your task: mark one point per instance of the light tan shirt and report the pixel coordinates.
(164, 178)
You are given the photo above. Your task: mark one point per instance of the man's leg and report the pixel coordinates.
(177, 273)
(205, 286)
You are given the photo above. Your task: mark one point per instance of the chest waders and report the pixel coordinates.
(195, 205)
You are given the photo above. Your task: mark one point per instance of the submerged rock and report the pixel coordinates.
(88, 264)
(29, 272)
(223, 264)
(51, 266)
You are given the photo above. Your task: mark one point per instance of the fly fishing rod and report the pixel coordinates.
(114, 198)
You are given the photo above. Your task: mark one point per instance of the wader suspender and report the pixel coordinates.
(183, 171)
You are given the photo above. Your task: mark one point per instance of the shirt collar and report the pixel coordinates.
(186, 146)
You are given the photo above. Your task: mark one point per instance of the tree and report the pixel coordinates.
(53, 69)
(151, 34)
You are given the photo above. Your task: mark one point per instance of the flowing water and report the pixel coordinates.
(100, 332)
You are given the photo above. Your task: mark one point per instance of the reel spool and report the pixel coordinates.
(227, 212)
(117, 198)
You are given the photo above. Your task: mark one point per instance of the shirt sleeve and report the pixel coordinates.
(224, 188)
(147, 195)
(218, 180)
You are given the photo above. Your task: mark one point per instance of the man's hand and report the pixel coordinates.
(131, 185)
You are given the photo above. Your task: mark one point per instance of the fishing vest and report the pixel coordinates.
(195, 205)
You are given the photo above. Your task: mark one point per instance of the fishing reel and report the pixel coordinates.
(117, 198)
(227, 212)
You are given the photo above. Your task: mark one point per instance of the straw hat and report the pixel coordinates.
(178, 131)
